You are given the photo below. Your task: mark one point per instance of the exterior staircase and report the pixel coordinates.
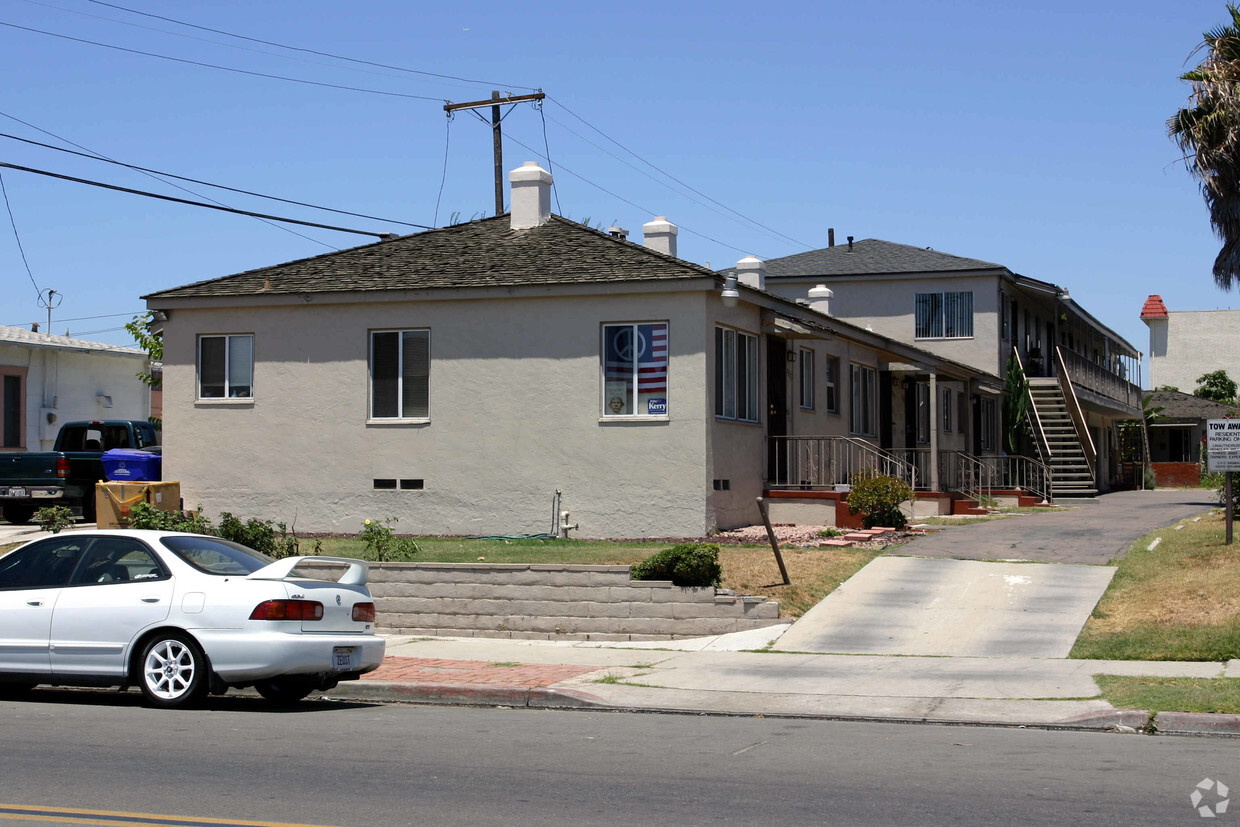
(1066, 455)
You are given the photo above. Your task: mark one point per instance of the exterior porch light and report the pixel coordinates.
(730, 295)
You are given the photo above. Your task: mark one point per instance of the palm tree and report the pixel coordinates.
(1208, 132)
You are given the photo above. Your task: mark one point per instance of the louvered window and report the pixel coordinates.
(944, 315)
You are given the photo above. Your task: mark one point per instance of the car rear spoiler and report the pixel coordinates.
(281, 569)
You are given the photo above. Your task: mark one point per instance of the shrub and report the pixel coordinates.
(259, 535)
(382, 544)
(877, 498)
(687, 564)
(145, 515)
(54, 518)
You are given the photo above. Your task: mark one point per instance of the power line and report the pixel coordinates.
(151, 174)
(677, 180)
(192, 203)
(16, 235)
(627, 201)
(308, 51)
(96, 157)
(221, 68)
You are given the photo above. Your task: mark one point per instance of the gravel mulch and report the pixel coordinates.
(803, 536)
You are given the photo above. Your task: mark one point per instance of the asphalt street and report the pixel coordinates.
(356, 764)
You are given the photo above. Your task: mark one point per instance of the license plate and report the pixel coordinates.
(16, 492)
(344, 658)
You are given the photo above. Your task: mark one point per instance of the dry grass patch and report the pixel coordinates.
(814, 572)
(1178, 601)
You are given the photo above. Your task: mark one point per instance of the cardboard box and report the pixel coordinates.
(113, 500)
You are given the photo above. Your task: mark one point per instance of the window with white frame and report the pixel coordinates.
(863, 419)
(923, 412)
(400, 374)
(832, 385)
(943, 315)
(226, 367)
(635, 363)
(736, 375)
(807, 379)
(947, 410)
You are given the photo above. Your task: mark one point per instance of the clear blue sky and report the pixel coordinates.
(1030, 134)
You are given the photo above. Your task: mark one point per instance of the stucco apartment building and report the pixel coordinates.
(980, 313)
(1186, 344)
(466, 379)
(49, 380)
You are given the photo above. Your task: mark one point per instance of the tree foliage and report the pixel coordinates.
(1216, 386)
(1207, 130)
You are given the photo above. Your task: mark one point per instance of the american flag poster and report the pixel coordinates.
(641, 347)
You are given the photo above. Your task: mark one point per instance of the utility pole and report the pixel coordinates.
(495, 102)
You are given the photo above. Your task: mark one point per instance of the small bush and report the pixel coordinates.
(54, 518)
(688, 564)
(877, 498)
(830, 532)
(383, 545)
(259, 535)
(145, 515)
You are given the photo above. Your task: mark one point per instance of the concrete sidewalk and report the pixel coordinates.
(724, 675)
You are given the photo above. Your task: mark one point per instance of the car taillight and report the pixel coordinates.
(62, 468)
(288, 610)
(364, 612)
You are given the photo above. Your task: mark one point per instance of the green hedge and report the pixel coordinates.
(687, 564)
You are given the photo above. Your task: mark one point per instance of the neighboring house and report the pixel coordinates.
(1177, 432)
(979, 313)
(465, 379)
(1187, 344)
(49, 380)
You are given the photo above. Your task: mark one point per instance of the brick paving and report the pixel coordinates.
(474, 672)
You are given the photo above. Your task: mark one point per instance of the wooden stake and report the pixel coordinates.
(770, 534)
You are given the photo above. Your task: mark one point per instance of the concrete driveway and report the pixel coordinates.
(955, 608)
(957, 593)
(1094, 533)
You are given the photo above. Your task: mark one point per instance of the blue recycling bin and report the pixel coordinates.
(129, 465)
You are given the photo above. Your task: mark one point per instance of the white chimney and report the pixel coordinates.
(820, 299)
(751, 271)
(531, 196)
(660, 235)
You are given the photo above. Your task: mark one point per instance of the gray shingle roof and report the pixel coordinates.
(485, 253)
(1184, 407)
(22, 336)
(872, 255)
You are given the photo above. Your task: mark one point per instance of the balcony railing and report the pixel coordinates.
(1096, 378)
(826, 461)
(978, 477)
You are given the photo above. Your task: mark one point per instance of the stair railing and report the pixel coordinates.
(822, 461)
(1043, 445)
(1078, 416)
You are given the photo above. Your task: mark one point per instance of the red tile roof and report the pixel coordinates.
(1154, 308)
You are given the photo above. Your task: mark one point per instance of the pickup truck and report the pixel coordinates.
(67, 475)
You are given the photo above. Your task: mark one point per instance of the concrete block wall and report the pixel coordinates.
(553, 602)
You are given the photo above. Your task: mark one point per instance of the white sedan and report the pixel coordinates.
(180, 615)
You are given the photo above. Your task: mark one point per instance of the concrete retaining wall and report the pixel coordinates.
(553, 602)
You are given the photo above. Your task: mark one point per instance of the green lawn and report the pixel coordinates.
(1171, 694)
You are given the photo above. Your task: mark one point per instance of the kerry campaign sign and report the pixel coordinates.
(1223, 444)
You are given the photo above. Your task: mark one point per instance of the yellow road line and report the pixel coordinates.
(113, 818)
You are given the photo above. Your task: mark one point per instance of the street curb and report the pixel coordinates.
(1115, 720)
(1197, 723)
(465, 695)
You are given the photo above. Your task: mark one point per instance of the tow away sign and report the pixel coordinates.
(1223, 444)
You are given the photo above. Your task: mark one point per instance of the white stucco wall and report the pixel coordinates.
(71, 385)
(514, 416)
(886, 304)
(1190, 343)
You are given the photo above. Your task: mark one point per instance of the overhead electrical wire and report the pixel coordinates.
(155, 176)
(674, 178)
(186, 201)
(16, 235)
(95, 157)
(309, 51)
(219, 67)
